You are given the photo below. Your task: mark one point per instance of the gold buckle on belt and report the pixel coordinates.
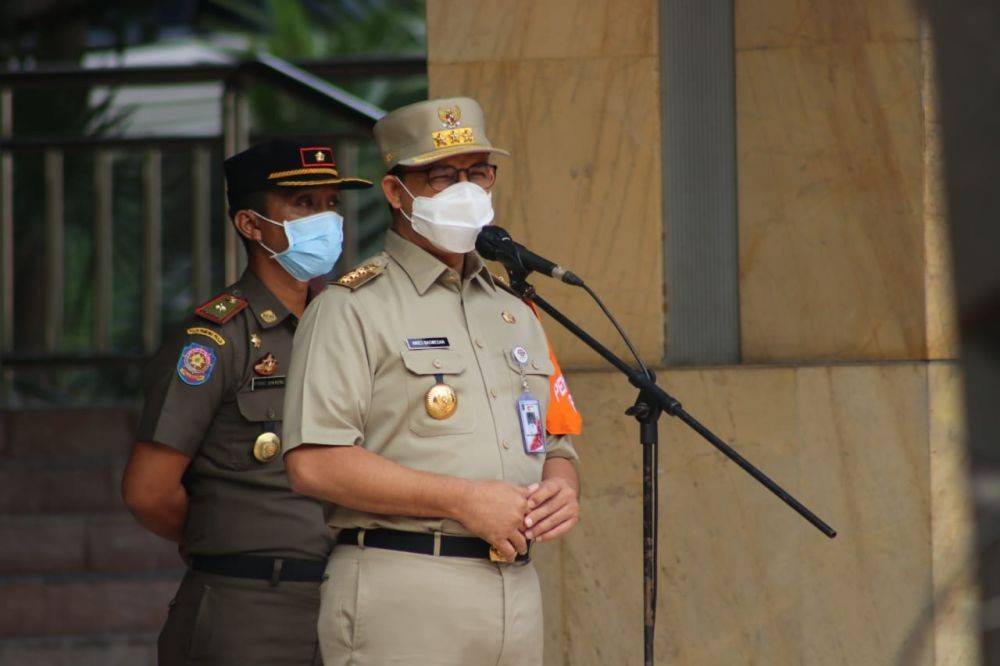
(495, 555)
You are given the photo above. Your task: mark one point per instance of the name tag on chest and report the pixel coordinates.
(427, 343)
(258, 383)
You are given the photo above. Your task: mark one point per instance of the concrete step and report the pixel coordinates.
(138, 649)
(61, 485)
(67, 543)
(53, 433)
(56, 605)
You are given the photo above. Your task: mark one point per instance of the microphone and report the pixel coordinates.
(495, 243)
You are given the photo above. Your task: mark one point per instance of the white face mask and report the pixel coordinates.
(451, 220)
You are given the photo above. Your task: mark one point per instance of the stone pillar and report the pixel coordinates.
(847, 393)
(572, 90)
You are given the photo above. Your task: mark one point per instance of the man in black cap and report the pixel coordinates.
(206, 470)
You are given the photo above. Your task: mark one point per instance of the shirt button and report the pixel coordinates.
(479, 343)
(493, 392)
(437, 363)
(505, 444)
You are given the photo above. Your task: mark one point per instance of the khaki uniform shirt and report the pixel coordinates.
(237, 504)
(360, 372)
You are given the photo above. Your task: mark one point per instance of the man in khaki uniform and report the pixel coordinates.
(207, 470)
(415, 403)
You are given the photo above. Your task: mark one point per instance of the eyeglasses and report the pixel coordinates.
(442, 176)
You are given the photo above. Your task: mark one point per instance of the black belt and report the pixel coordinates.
(420, 542)
(274, 569)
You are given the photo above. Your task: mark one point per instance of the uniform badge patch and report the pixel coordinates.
(361, 275)
(441, 400)
(453, 137)
(427, 343)
(221, 309)
(316, 156)
(196, 364)
(208, 333)
(450, 116)
(258, 383)
(267, 447)
(266, 366)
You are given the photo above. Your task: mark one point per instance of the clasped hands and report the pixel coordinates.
(508, 516)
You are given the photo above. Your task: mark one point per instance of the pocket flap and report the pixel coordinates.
(433, 362)
(262, 405)
(538, 364)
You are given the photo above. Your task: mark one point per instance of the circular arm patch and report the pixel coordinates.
(195, 365)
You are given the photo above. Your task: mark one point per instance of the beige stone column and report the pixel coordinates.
(572, 90)
(848, 392)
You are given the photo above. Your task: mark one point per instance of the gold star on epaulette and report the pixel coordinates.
(361, 275)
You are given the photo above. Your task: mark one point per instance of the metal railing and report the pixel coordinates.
(306, 81)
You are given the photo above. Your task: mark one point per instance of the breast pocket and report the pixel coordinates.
(255, 441)
(429, 375)
(537, 372)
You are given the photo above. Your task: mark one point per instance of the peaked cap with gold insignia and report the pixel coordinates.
(280, 163)
(424, 132)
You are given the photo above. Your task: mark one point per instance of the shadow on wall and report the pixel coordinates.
(964, 35)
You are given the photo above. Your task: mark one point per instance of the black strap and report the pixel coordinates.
(274, 569)
(421, 543)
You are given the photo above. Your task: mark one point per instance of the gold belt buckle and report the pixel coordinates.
(495, 555)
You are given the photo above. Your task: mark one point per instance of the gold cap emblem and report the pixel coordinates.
(441, 401)
(267, 447)
(450, 116)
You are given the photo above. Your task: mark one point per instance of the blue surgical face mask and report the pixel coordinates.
(314, 244)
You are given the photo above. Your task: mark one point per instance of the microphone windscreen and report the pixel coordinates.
(491, 240)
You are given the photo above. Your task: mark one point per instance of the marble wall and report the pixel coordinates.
(572, 90)
(743, 579)
(842, 254)
(846, 310)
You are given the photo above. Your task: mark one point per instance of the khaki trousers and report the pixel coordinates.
(383, 607)
(227, 621)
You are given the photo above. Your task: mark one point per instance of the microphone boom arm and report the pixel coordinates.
(666, 402)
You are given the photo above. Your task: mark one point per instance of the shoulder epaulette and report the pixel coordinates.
(361, 275)
(221, 309)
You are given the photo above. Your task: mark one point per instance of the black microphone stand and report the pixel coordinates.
(648, 407)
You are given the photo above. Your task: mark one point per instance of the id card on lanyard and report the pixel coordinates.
(529, 409)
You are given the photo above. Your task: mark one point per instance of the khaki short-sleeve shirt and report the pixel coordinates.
(365, 358)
